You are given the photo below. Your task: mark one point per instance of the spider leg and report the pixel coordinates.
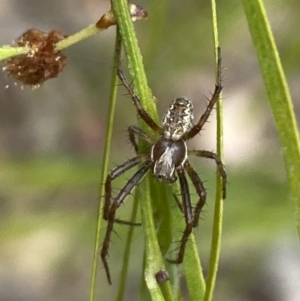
(220, 165)
(135, 131)
(114, 174)
(200, 191)
(125, 191)
(188, 214)
(136, 101)
(215, 96)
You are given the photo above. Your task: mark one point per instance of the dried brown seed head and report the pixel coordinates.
(41, 62)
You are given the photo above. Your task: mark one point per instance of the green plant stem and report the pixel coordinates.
(108, 20)
(7, 52)
(278, 94)
(78, 37)
(134, 57)
(124, 271)
(218, 212)
(105, 161)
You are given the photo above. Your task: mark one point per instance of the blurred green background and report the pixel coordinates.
(51, 144)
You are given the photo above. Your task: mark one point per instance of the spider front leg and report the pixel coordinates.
(137, 103)
(110, 208)
(215, 96)
(220, 165)
(135, 131)
(188, 214)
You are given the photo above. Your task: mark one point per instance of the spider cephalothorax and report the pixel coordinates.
(168, 156)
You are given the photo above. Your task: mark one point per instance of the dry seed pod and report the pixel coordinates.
(162, 276)
(41, 62)
(108, 19)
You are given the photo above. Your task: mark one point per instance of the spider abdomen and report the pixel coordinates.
(167, 154)
(179, 118)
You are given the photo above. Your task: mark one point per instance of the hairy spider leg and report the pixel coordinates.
(188, 214)
(116, 172)
(125, 191)
(215, 96)
(111, 176)
(200, 189)
(136, 101)
(220, 165)
(136, 131)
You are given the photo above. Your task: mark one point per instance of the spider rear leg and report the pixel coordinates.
(110, 209)
(220, 165)
(136, 131)
(201, 191)
(188, 214)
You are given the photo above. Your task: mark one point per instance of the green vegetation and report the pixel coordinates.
(51, 201)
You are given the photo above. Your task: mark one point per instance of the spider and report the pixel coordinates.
(168, 156)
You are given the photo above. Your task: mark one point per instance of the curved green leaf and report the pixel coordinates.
(278, 94)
